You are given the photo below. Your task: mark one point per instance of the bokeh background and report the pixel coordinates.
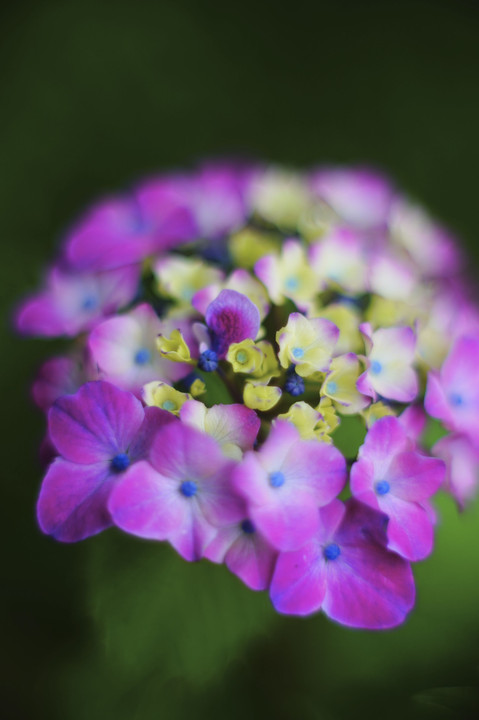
(94, 95)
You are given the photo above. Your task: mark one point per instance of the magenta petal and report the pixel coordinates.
(97, 422)
(111, 234)
(384, 439)
(146, 504)
(58, 376)
(155, 419)
(462, 460)
(415, 477)
(410, 528)
(186, 454)
(231, 318)
(367, 585)
(435, 401)
(72, 501)
(298, 586)
(252, 559)
(287, 525)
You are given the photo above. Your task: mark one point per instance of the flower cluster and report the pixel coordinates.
(225, 323)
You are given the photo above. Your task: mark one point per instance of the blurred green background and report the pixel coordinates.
(95, 95)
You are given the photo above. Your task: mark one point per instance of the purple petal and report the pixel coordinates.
(72, 303)
(298, 586)
(367, 585)
(410, 528)
(415, 477)
(186, 454)
(435, 401)
(58, 376)
(72, 501)
(96, 423)
(462, 461)
(384, 439)
(155, 419)
(146, 504)
(111, 234)
(231, 318)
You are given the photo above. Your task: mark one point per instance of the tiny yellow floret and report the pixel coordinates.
(159, 394)
(245, 356)
(261, 397)
(174, 348)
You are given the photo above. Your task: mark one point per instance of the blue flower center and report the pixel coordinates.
(188, 488)
(456, 400)
(276, 479)
(294, 384)
(168, 405)
(382, 487)
(208, 361)
(90, 302)
(376, 367)
(143, 356)
(332, 551)
(241, 357)
(291, 283)
(331, 387)
(120, 462)
(247, 527)
(298, 353)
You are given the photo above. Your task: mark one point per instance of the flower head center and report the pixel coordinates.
(298, 353)
(120, 462)
(332, 551)
(89, 303)
(247, 527)
(456, 400)
(382, 487)
(188, 488)
(143, 356)
(241, 357)
(376, 367)
(276, 479)
(169, 405)
(331, 387)
(291, 283)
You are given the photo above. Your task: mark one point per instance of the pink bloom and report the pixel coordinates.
(391, 476)
(462, 472)
(285, 482)
(182, 496)
(346, 571)
(59, 376)
(452, 394)
(98, 433)
(124, 349)
(73, 303)
(362, 197)
(125, 230)
(219, 198)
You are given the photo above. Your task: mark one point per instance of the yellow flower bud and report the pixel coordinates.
(159, 394)
(261, 397)
(174, 348)
(245, 356)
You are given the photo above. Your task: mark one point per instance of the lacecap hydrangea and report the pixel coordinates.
(224, 323)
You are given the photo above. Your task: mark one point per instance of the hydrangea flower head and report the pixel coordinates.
(230, 324)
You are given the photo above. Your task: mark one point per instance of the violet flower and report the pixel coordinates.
(391, 476)
(98, 432)
(346, 571)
